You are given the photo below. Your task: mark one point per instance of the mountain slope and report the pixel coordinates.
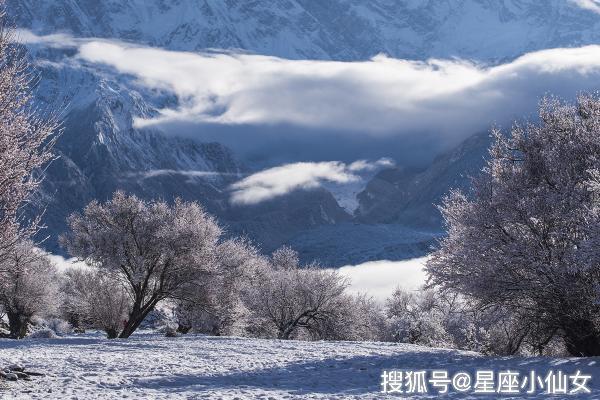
(339, 29)
(409, 197)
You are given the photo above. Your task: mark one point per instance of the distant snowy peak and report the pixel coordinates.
(336, 29)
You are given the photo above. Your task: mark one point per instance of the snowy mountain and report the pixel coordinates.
(101, 150)
(339, 29)
(396, 217)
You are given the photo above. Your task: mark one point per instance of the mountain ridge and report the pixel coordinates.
(482, 30)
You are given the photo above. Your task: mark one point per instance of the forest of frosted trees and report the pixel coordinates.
(517, 273)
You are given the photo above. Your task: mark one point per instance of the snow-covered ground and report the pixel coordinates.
(150, 366)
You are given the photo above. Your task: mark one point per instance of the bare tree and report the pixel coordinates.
(295, 297)
(26, 140)
(28, 287)
(156, 249)
(285, 258)
(526, 238)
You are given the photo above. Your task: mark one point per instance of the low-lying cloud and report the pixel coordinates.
(378, 97)
(379, 279)
(591, 5)
(265, 106)
(284, 179)
(154, 173)
(57, 40)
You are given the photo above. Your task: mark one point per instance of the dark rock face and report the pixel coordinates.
(410, 197)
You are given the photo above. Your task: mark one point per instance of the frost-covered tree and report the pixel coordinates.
(419, 318)
(214, 304)
(28, 287)
(354, 317)
(75, 284)
(157, 250)
(526, 238)
(26, 140)
(291, 297)
(95, 298)
(444, 319)
(285, 258)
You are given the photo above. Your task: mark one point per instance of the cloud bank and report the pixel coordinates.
(281, 180)
(275, 110)
(378, 98)
(380, 278)
(591, 5)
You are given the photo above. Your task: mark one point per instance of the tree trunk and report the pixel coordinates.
(17, 325)
(75, 321)
(111, 333)
(136, 317)
(283, 335)
(286, 332)
(183, 329)
(582, 338)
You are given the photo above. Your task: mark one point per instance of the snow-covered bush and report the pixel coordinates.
(59, 326)
(214, 304)
(290, 297)
(28, 287)
(170, 331)
(418, 318)
(354, 317)
(97, 299)
(526, 238)
(157, 251)
(44, 333)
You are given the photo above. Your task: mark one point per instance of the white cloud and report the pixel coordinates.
(380, 278)
(281, 180)
(449, 99)
(592, 5)
(262, 105)
(153, 173)
(56, 40)
(364, 165)
(64, 264)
